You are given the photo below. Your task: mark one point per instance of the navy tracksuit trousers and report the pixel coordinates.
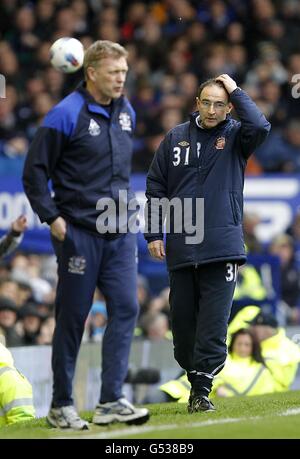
(200, 302)
(84, 262)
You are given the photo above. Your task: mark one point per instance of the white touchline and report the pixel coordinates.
(138, 430)
(291, 412)
(143, 429)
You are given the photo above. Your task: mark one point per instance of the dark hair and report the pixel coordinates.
(256, 350)
(211, 82)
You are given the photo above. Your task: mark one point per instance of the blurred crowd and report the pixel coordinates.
(173, 46)
(27, 296)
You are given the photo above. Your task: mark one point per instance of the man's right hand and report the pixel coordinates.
(157, 250)
(58, 229)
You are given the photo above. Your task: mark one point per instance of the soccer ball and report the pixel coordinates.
(66, 54)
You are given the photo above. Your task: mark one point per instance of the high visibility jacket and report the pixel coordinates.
(244, 376)
(16, 401)
(281, 354)
(240, 376)
(282, 357)
(249, 285)
(241, 320)
(179, 389)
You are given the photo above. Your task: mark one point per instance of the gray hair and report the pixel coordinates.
(101, 49)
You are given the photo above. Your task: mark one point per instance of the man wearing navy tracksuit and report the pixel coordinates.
(84, 146)
(204, 158)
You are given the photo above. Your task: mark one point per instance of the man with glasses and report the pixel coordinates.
(204, 159)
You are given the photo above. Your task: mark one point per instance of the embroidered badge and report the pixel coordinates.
(183, 143)
(94, 128)
(77, 265)
(220, 143)
(125, 121)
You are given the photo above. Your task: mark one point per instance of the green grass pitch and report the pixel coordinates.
(273, 416)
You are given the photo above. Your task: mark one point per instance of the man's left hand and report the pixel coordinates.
(228, 82)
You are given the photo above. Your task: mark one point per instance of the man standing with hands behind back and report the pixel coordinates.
(85, 146)
(204, 158)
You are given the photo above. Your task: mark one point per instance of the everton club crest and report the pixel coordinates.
(125, 121)
(77, 265)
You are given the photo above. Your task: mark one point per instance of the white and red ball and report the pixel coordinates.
(66, 54)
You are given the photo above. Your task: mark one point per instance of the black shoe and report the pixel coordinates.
(199, 403)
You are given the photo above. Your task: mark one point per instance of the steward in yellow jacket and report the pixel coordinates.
(16, 402)
(240, 376)
(243, 376)
(280, 353)
(244, 373)
(249, 285)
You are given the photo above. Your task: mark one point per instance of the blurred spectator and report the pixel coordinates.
(144, 153)
(155, 326)
(9, 289)
(160, 303)
(31, 321)
(250, 223)
(281, 353)
(281, 152)
(169, 118)
(65, 22)
(283, 247)
(245, 371)
(24, 288)
(294, 231)
(23, 37)
(8, 320)
(44, 18)
(249, 288)
(4, 270)
(45, 335)
(45, 309)
(143, 293)
(14, 236)
(97, 322)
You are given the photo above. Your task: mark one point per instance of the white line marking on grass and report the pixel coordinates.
(153, 428)
(139, 430)
(291, 412)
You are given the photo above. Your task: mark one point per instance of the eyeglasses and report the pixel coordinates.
(215, 105)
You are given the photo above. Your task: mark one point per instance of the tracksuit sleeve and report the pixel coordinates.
(42, 157)
(156, 188)
(254, 126)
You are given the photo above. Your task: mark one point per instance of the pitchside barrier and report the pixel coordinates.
(35, 363)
